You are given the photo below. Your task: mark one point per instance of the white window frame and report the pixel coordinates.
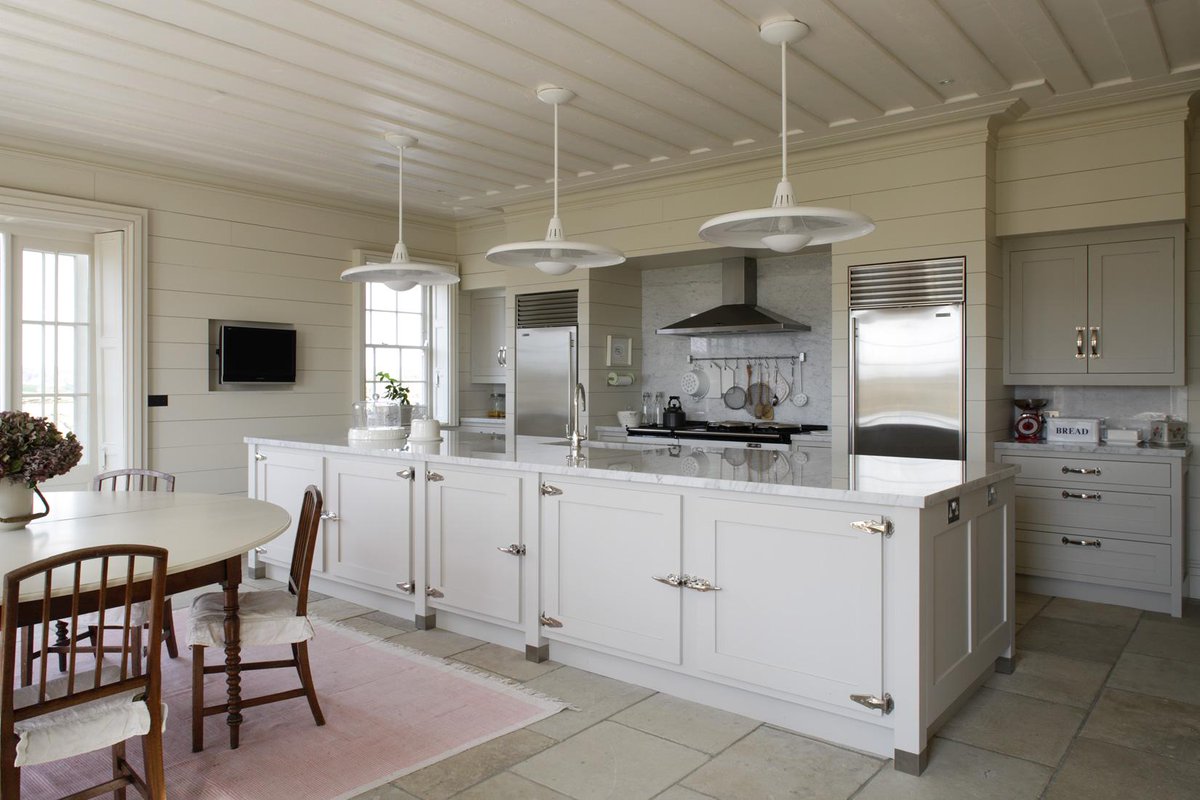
(442, 335)
(22, 208)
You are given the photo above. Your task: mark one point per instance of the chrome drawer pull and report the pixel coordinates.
(1081, 470)
(408, 587)
(1081, 542)
(701, 585)
(259, 457)
(1080, 495)
(671, 579)
(433, 477)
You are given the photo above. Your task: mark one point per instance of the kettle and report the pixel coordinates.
(673, 414)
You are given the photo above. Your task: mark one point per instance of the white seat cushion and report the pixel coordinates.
(139, 614)
(79, 729)
(265, 618)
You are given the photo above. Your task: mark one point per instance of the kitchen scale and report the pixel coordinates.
(1030, 423)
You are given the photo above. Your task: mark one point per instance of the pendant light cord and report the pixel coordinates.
(783, 105)
(556, 159)
(400, 197)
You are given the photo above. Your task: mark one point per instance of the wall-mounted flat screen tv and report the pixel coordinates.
(256, 355)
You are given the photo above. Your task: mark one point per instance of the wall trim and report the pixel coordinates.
(1092, 121)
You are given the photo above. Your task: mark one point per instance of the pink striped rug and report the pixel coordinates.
(389, 711)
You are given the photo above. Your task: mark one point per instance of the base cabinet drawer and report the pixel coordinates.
(1090, 471)
(1085, 511)
(1093, 559)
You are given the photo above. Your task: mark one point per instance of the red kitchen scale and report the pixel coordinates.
(1030, 423)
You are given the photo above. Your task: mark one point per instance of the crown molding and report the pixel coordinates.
(1094, 120)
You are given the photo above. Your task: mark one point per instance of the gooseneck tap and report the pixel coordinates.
(575, 433)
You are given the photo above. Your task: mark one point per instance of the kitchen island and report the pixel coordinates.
(858, 609)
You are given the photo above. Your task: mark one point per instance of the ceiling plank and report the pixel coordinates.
(1040, 35)
(1136, 34)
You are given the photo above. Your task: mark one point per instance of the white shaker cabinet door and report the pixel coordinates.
(473, 520)
(798, 607)
(368, 522)
(488, 356)
(601, 549)
(280, 477)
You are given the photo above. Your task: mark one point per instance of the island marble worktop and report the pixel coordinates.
(804, 472)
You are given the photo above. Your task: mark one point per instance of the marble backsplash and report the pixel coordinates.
(1121, 406)
(795, 286)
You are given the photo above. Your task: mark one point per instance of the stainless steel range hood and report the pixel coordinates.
(739, 311)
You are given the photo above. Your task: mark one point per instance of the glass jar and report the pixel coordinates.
(496, 406)
(382, 413)
(647, 410)
(659, 405)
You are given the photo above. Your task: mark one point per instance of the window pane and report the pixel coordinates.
(32, 377)
(382, 327)
(387, 360)
(66, 288)
(66, 361)
(31, 285)
(380, 298)
(412, 301)
(412, 329)
(416, 394)
(34, 406)
(412, 365)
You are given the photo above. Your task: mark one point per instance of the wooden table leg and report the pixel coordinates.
(233, 648)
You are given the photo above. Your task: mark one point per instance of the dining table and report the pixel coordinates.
(205, 536)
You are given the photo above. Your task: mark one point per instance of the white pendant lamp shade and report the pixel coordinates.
(555, 255)
(785, 227)
(402, 273)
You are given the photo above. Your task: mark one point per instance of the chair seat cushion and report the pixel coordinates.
(265, 618)
(139, 614)
(79, 729)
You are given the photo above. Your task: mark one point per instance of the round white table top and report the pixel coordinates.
(196, 529)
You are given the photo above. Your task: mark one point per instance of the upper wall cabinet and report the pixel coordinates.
(1099, 308)
(489, 356)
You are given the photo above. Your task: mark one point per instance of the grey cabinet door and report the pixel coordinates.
(1047, 302)
(1131, 307)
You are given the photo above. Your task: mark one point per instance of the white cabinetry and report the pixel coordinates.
(489, 355)
(368, 522)
(602, 547)
(280, 477)
(787, 577)
(474, 541)
(1106, 527)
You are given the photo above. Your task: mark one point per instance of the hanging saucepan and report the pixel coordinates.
(673, 414)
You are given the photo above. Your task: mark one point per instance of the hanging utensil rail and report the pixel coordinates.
(725, 359)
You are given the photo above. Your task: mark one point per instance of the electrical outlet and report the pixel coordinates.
(952, 510)
(1050, 413)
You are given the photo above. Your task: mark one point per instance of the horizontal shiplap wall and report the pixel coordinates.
(217, 253)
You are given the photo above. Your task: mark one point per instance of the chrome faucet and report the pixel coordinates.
(575, 434)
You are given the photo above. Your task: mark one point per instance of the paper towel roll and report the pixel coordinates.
(620, 379)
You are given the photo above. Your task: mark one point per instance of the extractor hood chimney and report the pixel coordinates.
(739, 311)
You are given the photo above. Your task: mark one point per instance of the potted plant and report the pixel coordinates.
(32, 450)
(392, 390)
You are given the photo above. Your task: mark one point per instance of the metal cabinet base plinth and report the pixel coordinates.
(911, 763)
(537, 654)
(1005, 665)
(426, 622)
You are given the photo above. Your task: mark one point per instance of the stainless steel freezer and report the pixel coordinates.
(546, 373)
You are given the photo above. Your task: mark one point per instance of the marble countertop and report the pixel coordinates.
(1138, 451)
(804, 472)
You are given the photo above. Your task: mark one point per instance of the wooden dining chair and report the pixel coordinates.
(278, 616)
(124, 480)
(94, 704)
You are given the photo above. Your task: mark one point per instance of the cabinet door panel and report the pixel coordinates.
(601, 548)
(1047, 300)
(487, 337)
(281, 478)
(371, 540)
(1131, 300)
(469, 516)
(789, 578)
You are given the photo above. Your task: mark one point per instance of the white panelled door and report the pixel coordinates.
(280, 477)
(368, 522)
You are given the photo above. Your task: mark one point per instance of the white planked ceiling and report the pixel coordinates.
(295, 94)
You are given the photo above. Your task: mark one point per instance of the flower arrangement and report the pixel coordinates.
(393, 390)
(33, 450)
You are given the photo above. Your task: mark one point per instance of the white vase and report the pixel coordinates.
(16, 500)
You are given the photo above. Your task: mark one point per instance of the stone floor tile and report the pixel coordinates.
(436, 642)
(1164, 640)
(452, 775)
(595, 696)
(385, 792)
(1055, 678)
(1161, 677)
(1015, 725)
(507, 786)
(1028, 605)
(1190, 618)
(505, 661)
(263, 584)
(1141, 722)
(693, 725)
(315, 596)
(391, 620)
(611, 761)
(1073, 639)
(364, 624)
(1092, 613)
(678, 792)
(335, 609)
(1102, 771)
(959, 771)
(777, 764)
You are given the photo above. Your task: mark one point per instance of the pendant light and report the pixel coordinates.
(401, 274)
(554, 255)
(785, 227)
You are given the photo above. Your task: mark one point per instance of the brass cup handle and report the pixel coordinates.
(1080, 495)
(1081, 542)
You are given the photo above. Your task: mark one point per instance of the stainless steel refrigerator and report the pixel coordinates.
(547, 370)
(907, 386)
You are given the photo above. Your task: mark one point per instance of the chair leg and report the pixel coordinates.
(153, 771)
(10, 773)
(118, 768)
(197, 698)
(300, 653)
(169, 629)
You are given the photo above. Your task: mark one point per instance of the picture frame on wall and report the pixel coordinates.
(620, 351)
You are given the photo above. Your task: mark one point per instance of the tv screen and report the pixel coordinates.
(257, 355)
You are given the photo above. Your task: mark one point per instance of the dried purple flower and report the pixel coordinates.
(33, 450)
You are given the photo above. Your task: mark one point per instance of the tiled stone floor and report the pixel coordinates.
(1104, 703)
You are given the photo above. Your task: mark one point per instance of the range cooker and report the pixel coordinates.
(771, 435)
